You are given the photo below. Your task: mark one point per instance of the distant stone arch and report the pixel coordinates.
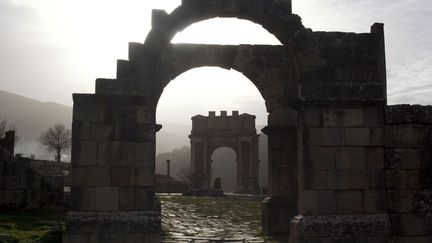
(237, 132)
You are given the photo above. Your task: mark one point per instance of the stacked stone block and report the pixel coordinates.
(342, 193)
(113, 169)
(22, 188)
(408, 168)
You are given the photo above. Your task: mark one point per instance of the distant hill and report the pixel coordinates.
(31, 118)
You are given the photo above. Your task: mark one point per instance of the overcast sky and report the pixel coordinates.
(50, 49)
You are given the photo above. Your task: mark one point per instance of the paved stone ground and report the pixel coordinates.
(211, 219)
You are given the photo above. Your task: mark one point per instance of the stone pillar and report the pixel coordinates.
(281, 205)
(342, 181)
(113, 168)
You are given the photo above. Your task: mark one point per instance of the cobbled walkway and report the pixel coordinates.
(211, 219)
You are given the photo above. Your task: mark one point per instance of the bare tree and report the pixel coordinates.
(57, 138)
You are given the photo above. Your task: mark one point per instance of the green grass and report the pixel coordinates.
(29, 226)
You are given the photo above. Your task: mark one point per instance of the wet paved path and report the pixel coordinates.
(211, 219)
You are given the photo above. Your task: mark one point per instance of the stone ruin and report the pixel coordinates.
(343, 166)
(24, 188)
(237, 132)
(7, 145)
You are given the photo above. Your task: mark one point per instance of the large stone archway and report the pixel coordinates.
(325, 93)
(236, 132)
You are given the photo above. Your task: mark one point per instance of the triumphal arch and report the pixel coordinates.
(343, 166)
(237, 132)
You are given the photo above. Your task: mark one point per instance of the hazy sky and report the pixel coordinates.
(50, 49)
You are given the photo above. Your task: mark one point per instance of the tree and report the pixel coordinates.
(57, 138)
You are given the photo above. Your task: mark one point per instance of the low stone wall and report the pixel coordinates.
(408, 158)
(23, 188)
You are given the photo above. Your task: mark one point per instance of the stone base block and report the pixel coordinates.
(113, 223)
(341, 228)
(113, 238)
(276, 214)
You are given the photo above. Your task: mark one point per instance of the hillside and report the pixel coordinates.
(31, 118)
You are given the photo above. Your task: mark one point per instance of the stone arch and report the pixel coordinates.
(324, 91)
(267, 67)
(236, 131)
(274, 15)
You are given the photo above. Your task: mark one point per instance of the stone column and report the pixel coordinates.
(281, 205)
(113, 168)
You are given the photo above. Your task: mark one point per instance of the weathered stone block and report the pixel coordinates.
(343, 117)
(333, 136)
(326, 202)
(143, 176)
(406, 135)
(145, 115)
(135, 132)
(113, 153)
(396, 179)
(308, 204)
(400, 201)
(120, 176)
(102, 132)
(357, 136)
(83, 198)
(313, 136)
(356, 228)
(141, 154)
(410, 239)
(88, 112)
(410, 224)
(374, 158)
(373, 117)
(144, 198)
(80, 131)
(107, 198)
(84, 153)
(347, 180)
(98, 176)
(350, 201)
(377, 136)
(423, 201)
(322, 158)
(375, 201)
(313, 180)
(127, 198)
(312, 117)
(350, 158)
(78, 176)
(70, 238)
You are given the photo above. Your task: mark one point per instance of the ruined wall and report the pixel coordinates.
(408, 168)
(23, 188)
(7, 146)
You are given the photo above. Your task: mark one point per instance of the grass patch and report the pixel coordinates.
(30, 226)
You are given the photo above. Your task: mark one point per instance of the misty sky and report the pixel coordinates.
(50, 49)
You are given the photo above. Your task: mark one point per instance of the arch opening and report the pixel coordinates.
(224, 166)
